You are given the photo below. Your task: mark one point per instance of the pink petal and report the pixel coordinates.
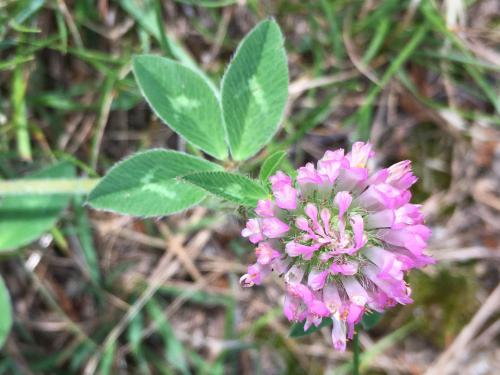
(357, 294)
(295, 249)
(412, 239)
(301, 291)
(325, 218)
(390, 266)
(330, 164)
(401, 176)
(281, 265)
(339, 335)
(274, 227)
(308, 175)
(359, 238)
(265, 208)
(265, 253)
(380, 219)
(343, 200)
(347, 269)
(294, 275)
(395, 289)
(302, 223)
(331, 298)
(316, 279)
(254, 275)
(352, 179)
(378, 177)
(253, 231)
(312, 212)
(382, 196)
(359, 155)
(280, 179)
(286, 197)
(318, 308)
(409, 214)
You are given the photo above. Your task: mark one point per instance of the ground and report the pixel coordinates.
(419, 79)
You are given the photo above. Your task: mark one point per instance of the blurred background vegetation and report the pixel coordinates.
(419, 78)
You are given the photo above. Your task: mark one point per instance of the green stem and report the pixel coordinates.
(47, 186)
(356, 354)
(19, 117)
(161, 29)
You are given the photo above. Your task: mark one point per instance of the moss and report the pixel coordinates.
(448, 299)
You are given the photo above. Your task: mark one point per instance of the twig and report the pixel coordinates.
(303, 84)
(464, 254)
(163, 271)
(351, 52)
(451, 359)
(71, 23)
(176, 246)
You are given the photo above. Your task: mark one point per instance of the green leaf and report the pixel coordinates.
(146, 184)
(106, 365)
(184, 100)
(370, 320)
(174, 350)
(26, 9)
(134, 334)
(208, 3)
(24, 218)
(83, 230)
(144, 13)
(297, 329)
(5, 313)
(233, 187)
(255, 90)
(271, 165)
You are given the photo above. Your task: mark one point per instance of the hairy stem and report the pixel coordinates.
(48, 186)
(356, 352)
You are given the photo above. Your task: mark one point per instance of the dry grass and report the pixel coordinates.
(110, 294)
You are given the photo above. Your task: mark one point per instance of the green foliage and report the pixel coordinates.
(24, 218)
(175, 352)
(184, 101)
(83, 230)
(297, 329)
(147, 14)
(233, 187)
(365, 112)
(76, 67)
(146, 184)
(106, 364)
(271, 165)
(5, 313)
(450, 307)
(378, 348)
(208, 3)
(255, 90)
(370, 320)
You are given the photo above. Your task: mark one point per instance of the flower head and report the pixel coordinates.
(342, 236)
